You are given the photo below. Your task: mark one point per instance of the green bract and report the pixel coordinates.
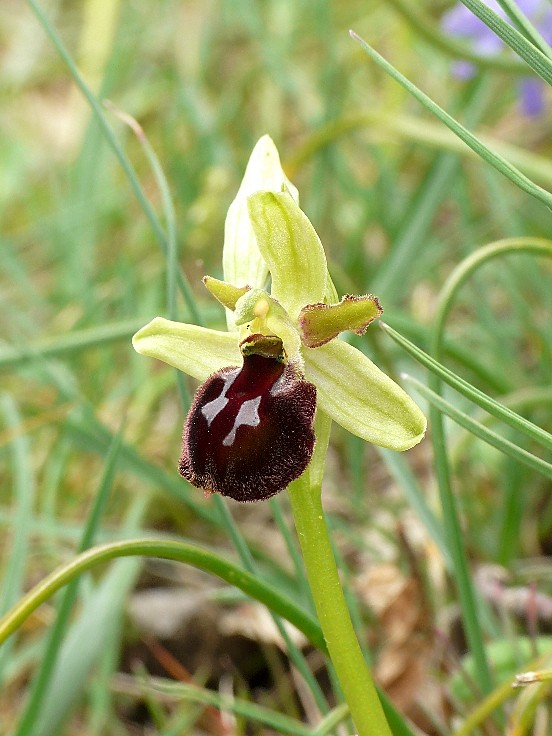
(266, 232)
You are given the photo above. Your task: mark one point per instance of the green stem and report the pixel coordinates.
(352, 671)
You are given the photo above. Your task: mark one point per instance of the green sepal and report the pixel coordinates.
(197, 351)
(226, 294)
(320, 323)
(356, 394)
(291, 248)
(241, 260)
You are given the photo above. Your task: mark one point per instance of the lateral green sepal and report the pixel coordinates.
(197, 351)
(356, 394)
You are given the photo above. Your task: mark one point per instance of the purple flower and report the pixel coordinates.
(459, 21)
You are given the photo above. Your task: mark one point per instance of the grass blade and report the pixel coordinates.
(24, 494)
(479, 430)
(203, 559)
(117, 150)
(454, 47)
(83, 645)
(509, 417)
(498, 162)
(240, 707)
(71, 342)
(403, 475)
(40, 683)
(532, 54)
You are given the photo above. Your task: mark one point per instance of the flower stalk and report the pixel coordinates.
(333, 614)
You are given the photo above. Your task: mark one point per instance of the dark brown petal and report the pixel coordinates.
(249, 431)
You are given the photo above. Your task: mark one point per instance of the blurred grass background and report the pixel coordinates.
(397, 203)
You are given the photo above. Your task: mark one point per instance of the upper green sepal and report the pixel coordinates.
(320, 323)
(241, 260)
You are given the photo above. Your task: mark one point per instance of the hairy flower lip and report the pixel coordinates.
(249, 431)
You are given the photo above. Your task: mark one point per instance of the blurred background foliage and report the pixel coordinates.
(397, 202)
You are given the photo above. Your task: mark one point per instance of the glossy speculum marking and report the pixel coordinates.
(249, 431)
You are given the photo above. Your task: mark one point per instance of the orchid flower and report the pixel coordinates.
(250, 430)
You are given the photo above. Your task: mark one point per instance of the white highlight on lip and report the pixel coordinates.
(247, 415)
(214, 407)
(278, 385)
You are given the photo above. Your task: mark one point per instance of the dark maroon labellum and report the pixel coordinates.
(249, 431)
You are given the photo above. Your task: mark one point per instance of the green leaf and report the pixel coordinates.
(197, 351)
(100, 615)
(508, 655)
(22, 507)
(360, 397)
(414, 493)
(291, 248)
(69, 342)
(423, 21)
(164, 549)
(47, 669)
(277, 722)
